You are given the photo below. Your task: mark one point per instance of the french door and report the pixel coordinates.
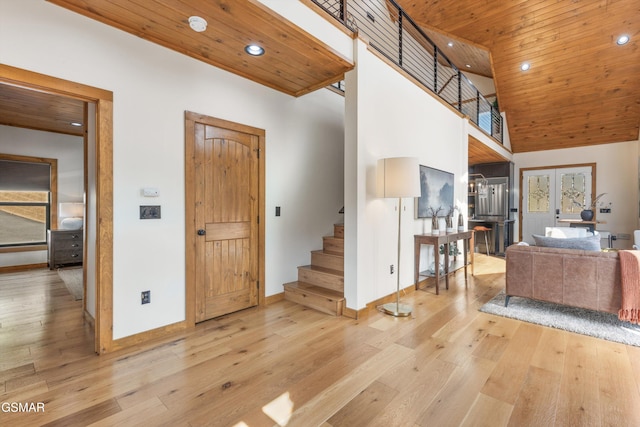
(551, 195)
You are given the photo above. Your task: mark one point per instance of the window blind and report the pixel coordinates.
(24, 176)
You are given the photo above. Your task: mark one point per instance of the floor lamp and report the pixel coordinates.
(398, 177)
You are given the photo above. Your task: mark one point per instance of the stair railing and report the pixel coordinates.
(394, 34)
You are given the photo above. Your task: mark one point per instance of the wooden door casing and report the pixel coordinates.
(224, 191)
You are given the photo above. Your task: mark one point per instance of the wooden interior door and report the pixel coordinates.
(226, 219)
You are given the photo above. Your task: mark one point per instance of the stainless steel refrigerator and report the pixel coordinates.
(492, 197)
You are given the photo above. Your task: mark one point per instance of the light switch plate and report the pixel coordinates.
(149, 212)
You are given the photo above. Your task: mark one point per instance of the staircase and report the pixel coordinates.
(321, 285)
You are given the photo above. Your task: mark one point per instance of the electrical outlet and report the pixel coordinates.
(391, 269)
(145, 296)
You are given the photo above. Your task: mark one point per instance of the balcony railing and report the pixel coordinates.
(394, 34)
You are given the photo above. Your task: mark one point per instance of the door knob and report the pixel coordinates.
(201, 232)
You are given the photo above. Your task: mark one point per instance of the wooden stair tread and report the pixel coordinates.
(315, 290)
(322, 270)
(320, 258)
(321, 299)
(320, 251)
(333, 245)
(320, 286)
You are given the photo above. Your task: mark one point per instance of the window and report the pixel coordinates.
(26, 198)
(484, 122)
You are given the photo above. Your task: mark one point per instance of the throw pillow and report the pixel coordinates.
(566, 232)
(590, 243)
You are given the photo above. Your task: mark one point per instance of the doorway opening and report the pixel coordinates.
(98, 185)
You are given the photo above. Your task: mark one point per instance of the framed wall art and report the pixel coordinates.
(436, 191)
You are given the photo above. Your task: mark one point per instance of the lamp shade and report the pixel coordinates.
(398, 177)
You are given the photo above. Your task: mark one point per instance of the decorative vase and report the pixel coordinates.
(432, 268)
(435, 227)
(586, 215)
(450, 228)
(460, 222)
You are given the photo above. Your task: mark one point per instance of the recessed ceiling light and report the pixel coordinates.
(525, 66)
(75, 124)
(450, 44)
(254, 50)
(623, 39)
(197, 24)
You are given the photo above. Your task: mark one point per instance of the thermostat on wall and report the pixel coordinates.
(150, 192)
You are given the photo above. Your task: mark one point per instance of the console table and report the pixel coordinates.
(443, 239)
(590, 225)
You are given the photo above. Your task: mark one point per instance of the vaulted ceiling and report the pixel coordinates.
(582, 88)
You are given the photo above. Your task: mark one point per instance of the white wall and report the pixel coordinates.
(616, 175)
(315, 24)
(389, 116)
(69, 152)
(152, 88)
(484, 84)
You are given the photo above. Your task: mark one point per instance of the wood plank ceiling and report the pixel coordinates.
(294, 62)
(31, 109)
(479, 153)
(582, 88)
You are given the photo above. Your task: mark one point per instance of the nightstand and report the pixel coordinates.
(65, 247)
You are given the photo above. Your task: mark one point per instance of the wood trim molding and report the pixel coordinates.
(104, 226)
(353, 314)
(32, 80)
(272, 299)
(146, 336)
(89, 319)
(24, 267)
(13, 249)
(104, 184)
(357, 314)
(327, 17)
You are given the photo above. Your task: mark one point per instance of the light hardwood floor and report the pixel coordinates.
(447, 365)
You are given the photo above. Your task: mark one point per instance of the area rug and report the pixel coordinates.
(72, 278)
(586, 322)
